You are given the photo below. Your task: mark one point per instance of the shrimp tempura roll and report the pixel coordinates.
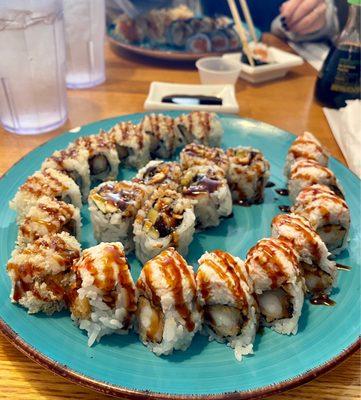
(158, 172)
(198, 154)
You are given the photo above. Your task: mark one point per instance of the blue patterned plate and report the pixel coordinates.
(121, 365)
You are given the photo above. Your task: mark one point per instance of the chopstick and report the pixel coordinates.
(240, 30)
(248, 18)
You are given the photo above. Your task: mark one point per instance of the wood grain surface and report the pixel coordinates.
(288, 103)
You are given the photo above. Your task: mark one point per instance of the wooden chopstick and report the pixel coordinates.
(240, 30)
(249, 20)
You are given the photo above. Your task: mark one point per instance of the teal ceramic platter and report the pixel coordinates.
(121, 365)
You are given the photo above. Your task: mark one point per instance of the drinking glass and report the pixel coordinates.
(32, 66)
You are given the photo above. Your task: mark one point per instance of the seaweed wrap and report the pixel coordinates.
(158, 172)
(197, 154)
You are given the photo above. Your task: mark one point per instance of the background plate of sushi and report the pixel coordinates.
(122, 365)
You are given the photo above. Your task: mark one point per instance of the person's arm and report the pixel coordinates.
(306, 20)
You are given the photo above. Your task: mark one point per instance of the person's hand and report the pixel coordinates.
(303, 16)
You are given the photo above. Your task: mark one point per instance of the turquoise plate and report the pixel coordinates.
(121, 365)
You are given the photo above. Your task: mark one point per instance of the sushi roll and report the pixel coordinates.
(197, 154)
(225, 293)
(164, 137)
(166, 220)
(200, 127)
(51, 183)
(103, 296)
(320, 273)
(234, 41)
(306, 147)
(219, 40)
(327, 213)
(168, 314)
(208, 187)
(39, 272)
(307, 173)
(133, 146)
(129, 30)
(113, 207)
(199, 43)
(202, 24)
(158, 172)
(103, 158)
(247, 175)
(47, 217)
(74, 163)
(178, 32)
(273, 266)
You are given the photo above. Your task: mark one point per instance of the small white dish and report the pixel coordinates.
(284, 61)
(218, 70)
(158, 90)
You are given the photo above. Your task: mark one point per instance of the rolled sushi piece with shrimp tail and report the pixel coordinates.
(168, 314)
(208, 188)
(307, 173)
(327, 213)
(247, 174)
(306, 147)
(320, 273)
(166, 220)
(103, 296)
(278, 284)
(113, 207)
(200, 127)
(103, 158)
(158, 172)
(225, 293)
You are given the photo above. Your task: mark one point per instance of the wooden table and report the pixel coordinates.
(287, 103)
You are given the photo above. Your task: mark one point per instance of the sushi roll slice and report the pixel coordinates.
(225, 293)
(103, 158)
(178, 32)
(219, 40)
(234, 41)
(199, 43)
(133, 146)
(307, 173)
(168, 314)
(306, 147)
(129, 30)
(320, 273)
(327, 213)
(202, 24)
(158, 172)
(102, 296)
(47, 217)
(273, 266)
(51, 183)
(200, 127)
(113, 207)
(166, 220)
(208, 187)
(74, 163)
(247, 175)
(164, 137)
(197, 154)
(39, 272)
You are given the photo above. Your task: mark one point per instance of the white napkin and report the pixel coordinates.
(313, 52)
(346, 127)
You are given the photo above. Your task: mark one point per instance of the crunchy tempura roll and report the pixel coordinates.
(225, 292)
(198, 154)
(39, 272)
(168, 314)
(307, 173)
(327, 213)
(103, 158)
(103, 297)
(132, 144)
(306, 147)
(159, 172)
(113, 207)
(247, 174)
(74, 163)
(47, 217)
(164, 137)
(200, 127)
(208, 188)
(51, 183)
(320, 273)
(166, 220)
(273, 266)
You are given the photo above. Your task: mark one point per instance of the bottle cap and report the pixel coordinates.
(354, 2)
